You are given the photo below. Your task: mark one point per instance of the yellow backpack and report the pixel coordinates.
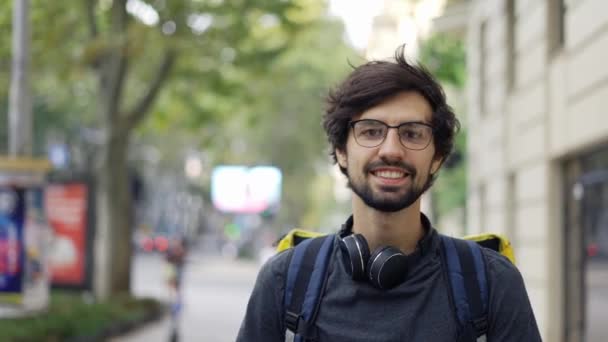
(496, 242)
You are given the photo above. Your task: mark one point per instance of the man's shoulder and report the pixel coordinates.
(499, 266)
(511, 317)
(277, 264)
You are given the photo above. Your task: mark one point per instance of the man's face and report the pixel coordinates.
(390, 177)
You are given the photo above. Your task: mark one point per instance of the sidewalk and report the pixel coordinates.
(151, 332)
(215, 295)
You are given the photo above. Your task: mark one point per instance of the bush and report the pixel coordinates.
(72, 318)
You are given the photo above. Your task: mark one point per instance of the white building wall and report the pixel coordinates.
(554, 109)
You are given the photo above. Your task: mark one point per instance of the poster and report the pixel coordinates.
(36, 237)
(66, 209)
(24, 236)
(11, 240)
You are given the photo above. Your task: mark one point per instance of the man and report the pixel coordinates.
(390, 130)
(176, 257)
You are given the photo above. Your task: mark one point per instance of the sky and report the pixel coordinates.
(357, 16)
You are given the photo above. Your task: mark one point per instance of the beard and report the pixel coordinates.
(387, 199)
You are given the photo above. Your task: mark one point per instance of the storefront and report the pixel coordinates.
(586, 246)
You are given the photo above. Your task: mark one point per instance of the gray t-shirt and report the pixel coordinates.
(419, 309)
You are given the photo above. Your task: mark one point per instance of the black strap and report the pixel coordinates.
(471, 284)
(465, 268)
(305, 259)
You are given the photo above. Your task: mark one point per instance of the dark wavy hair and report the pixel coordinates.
(375, 82)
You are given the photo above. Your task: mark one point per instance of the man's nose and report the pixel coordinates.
(391, 146)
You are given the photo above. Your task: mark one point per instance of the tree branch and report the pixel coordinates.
(117, 57)
(140, 109)
(92, 23)
(94, 50)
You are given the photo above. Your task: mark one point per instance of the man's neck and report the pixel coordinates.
(402, 229)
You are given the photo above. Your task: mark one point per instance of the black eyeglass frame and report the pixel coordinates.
(353, 123)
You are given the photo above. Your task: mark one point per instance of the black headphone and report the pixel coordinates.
(385, 268)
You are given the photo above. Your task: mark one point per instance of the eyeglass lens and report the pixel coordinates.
(371, 133)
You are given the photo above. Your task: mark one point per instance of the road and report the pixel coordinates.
(215, 293)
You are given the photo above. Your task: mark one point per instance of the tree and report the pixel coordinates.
(116, 56)
(284, 129)
(274, 119)
(445, 57)
(204, 72)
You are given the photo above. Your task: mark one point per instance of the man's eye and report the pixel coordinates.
(411, 134)
(372, 133)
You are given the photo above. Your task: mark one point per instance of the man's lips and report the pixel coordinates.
(390, 173)
(390, 177)
(390, 170)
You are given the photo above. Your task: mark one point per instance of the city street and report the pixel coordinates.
(215, 293)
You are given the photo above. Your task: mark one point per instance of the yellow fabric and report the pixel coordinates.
(505, 247)
(287, 241)
(504, 244)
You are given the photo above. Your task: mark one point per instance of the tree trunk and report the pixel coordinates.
(113, 219)
(114, 214)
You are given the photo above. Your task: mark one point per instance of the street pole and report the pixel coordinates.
(20, 105)
(21, 177)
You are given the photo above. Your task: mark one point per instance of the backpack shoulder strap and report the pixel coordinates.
(306, 277)
(466, 273)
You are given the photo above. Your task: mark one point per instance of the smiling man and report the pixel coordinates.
(390, 162)
(390, 130)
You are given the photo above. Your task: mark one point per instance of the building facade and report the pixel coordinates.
(538, 152)
(401, 22)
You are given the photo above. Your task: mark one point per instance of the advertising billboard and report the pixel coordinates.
(24, 236)
(66, 209)
(245, 190)
(12, 261)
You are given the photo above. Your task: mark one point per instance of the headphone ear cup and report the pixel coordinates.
(387, 267)
(355, 254)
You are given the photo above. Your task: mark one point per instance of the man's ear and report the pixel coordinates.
(341, 157)
(436, 164)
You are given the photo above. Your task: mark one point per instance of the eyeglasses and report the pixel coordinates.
(371, 133)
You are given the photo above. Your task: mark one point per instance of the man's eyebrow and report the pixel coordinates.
(415, 121)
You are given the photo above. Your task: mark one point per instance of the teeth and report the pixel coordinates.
(389, 174)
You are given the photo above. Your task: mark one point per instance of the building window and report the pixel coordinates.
(511, 45)
(557, 25)
(483, 208)
(511, 217)
(483, 72)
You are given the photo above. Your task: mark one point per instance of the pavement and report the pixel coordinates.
(215, 294)
(153, 331)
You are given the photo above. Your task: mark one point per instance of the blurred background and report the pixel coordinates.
(154, 150)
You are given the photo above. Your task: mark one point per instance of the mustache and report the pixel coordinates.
(391, 163)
